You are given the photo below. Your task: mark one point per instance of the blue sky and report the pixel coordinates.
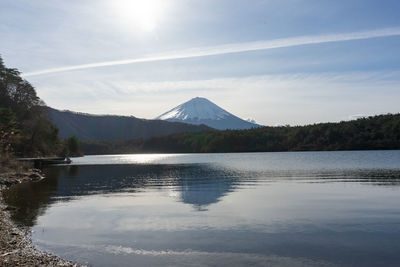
(313, 74)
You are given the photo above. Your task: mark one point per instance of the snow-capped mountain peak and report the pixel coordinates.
(200, 110)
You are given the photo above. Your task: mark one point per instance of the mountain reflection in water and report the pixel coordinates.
(198, 185)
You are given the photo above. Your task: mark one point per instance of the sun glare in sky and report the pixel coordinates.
(143, 15)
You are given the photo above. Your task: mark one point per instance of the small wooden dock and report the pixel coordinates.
(43, 161)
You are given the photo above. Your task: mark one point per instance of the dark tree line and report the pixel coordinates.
(378, 132)
(25, 129)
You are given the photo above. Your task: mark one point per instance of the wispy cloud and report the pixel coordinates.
(312, 97)
(233, 48)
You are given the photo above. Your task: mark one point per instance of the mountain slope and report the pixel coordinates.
(202, 111)
(114, 128)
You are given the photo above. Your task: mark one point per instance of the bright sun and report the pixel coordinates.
(142, 14)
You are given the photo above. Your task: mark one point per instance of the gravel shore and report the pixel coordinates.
(16, 248)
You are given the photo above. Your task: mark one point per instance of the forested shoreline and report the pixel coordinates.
(25, 129)
(371, 133)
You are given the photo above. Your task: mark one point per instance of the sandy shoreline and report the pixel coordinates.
(16, 248)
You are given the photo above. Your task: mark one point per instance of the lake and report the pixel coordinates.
(238, 209)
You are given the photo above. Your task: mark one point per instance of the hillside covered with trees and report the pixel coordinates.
(115, 128)
(25, 129)
(378, 132)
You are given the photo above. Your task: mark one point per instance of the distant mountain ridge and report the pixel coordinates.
(200, 110)
(89, 127)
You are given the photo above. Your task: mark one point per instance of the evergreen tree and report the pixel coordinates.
(73, 146)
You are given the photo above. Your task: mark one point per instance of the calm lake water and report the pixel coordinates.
(239, 209)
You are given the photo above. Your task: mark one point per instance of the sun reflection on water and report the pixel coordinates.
(126, 159)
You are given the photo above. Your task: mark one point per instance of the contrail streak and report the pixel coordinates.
(233, 48)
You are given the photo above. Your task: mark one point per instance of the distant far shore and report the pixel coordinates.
(380, 132)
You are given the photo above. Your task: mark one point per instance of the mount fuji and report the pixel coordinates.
(202, 111)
